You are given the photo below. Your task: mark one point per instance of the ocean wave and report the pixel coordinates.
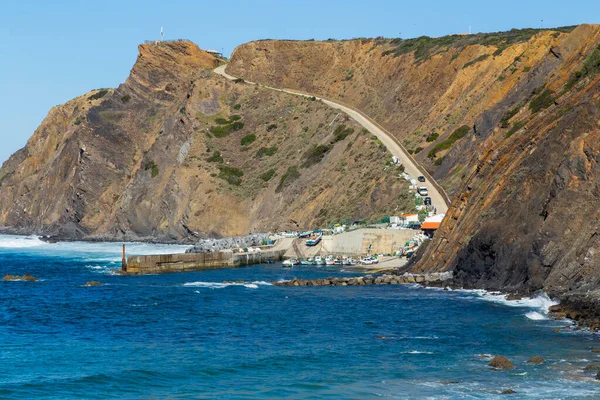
(540, 301)
(536, 316)
(102, 269)
(219, 285)
(418, 352)
(20, 242)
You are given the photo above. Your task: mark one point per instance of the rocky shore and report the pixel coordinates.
(370, 280)
(213, 245)
(583, 309)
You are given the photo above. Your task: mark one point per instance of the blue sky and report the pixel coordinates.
(52, 51)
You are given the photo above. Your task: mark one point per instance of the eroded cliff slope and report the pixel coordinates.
(507, 122)
(177, 152)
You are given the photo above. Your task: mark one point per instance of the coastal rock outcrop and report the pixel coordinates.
(501, 362)
(26, 277)
(93, 283)
(536, 360)
(384, 279)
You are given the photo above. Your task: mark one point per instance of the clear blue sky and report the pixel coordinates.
(52, 51)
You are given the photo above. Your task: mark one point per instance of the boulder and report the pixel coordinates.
(536, 360)
(596, 351)
(508, 391)
(513, 297)
(501, 362)
(592, 367)
(93, 283)
(598, 376)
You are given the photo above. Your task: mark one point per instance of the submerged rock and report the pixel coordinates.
(508, 391)
(536, 360)
(26, 277)
(93, 283)
(501, 362)
(592, 367)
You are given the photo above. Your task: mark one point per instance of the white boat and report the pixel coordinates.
(330, 260)
(319, 261)
(290, 262)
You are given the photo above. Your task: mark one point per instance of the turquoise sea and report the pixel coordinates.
(190, 336)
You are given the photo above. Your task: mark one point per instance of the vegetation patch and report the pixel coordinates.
(271, 127)
(439, 161)
(341, 133)
(290, 176)
(98, 95)
(266, 151)
(151, 165)
(125, 98)
(544, 100)
(516, 126)
(216, 157)
(315, 154)
(268, 175)
(432, 137)
(475, 61)
(246, 140)
(591, 67)
(232, 175)
(237, 106)
(220, 131)
(504, 122)
(448, 143)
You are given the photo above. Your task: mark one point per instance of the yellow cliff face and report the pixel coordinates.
(177, 151)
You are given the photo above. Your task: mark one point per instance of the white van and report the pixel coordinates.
(422, 191)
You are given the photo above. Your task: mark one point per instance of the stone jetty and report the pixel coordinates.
(371, 280)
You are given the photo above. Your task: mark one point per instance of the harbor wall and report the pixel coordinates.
(357, 242)
(186, 262)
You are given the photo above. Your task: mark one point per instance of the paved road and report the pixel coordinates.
(438, 200)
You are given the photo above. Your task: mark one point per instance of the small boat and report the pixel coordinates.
(290, 262)
(314, 241)
(319, 261)
(305, 262)
(330, 260)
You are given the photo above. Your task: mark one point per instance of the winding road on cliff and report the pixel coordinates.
(439, 198)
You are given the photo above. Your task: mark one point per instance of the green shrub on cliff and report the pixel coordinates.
(544, 100)
(232, 175)
(286, 179)
(315, 154)
(341, 132)
(216, 157)
(266, 151)
(151, 165)
(448, 143)
(98, 95)
(246, 140)
(591, 67)
(268, 175)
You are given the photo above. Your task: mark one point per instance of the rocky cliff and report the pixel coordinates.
(177, 152)
(507, 122)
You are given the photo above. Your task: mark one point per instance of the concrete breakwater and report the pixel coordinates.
(370, 280)
(166, 263)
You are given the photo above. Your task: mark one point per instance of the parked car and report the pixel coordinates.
(427, 201)
(421, 178)
(422, 191)
(414, 225)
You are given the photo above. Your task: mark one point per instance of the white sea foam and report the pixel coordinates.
(536, 316)
(541, 301)
(219, 285)
(417, 352)
(20, 242)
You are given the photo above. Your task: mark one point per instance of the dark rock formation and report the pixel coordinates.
(93, 283)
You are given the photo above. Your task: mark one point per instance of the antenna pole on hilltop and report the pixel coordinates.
(469, 29)
(161, 34)
(542, 24)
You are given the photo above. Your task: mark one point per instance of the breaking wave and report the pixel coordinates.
(220, 285)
